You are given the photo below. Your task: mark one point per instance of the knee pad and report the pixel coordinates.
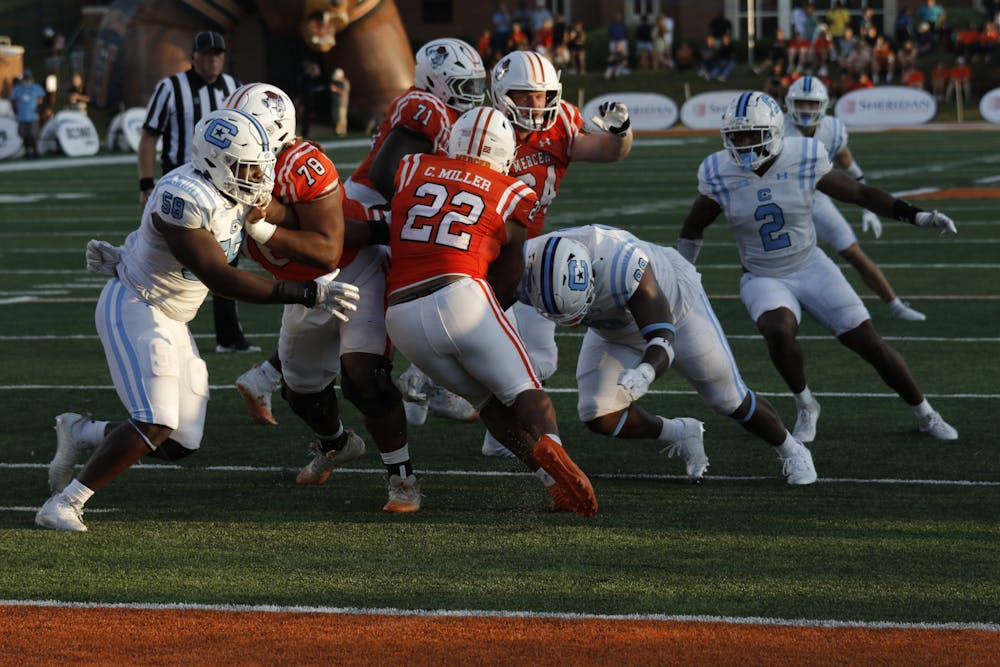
(386, 394)
(312, 408)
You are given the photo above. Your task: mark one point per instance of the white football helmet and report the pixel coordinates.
(531, 72)
(806, 89)
(483, 136)
(559, 279)
(757, 113)
(227, 145)
(452, 71)
(271, 106)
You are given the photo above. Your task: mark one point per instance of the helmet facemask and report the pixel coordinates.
(806, 101)
(753, 130)
(231, 148)
(527, 72)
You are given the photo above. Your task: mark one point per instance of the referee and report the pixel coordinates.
(177, 104)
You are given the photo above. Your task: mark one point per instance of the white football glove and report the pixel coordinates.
(413, 384)
(102, 257)
(936, 219)
(636, 381)
(869, 219)
(338, 299)
(612, 117)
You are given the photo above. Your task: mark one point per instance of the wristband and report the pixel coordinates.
(261, 231)
(905, 211)
(689, 248)
(289, 291)
(146, 184)
(665, 345)
(622, 129)
(854, 171)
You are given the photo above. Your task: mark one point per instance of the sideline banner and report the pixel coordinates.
(647, 111)
(989, 106)
(886, 106)
(704, 110)
(71, 132)
(125, 130)
(10, 141)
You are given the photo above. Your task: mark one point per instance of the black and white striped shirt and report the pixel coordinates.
(177, 104)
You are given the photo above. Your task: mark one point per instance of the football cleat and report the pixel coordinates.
(690, 447)
(575, 491)
(901, 310)
(442, 403)
(492, 447)
(805, 422)
(416, 413)
(70, 447)
(323, 463)
(59, 513)
(936, 427)
(404, 495)
(256, 391)
(798, 468)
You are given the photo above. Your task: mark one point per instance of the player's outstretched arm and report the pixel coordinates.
(842, 187)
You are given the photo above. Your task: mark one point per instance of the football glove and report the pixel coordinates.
(102, 257)
(869, 219)
(612, 117)
(636, 381)
(413, 384)
(936, 219)
(338, 299)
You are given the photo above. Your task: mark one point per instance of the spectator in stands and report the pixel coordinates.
(77, 94)
(903, 26)
(798, 54)
(707, 54)
(907, 55)
(989, 39)
(576, 42)
(820, 50)
(925, 38)
(559, 30)
(838, 19)
(663, 42)
(618, 37)
(933, 15)
(617, 62)
(867, 20)
(860, 60)
(340, 94)
(798, 17)
(720, 26)
(28, 99)
(777, 52)
(541, 39)
(484, 45)
(723, 63)
(539, 16)
(883, 60)
(864, 81)
(939, 80)
(914, 78)
(518, 40)
(812, 22)
(644, 44)
(959, 81)
(967, 42)
(846, 49)
(777, 82)
(684, 56)
(501, 28)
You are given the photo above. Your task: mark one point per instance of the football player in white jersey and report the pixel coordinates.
(191, 228)
(646, 311)
(765, 184)
(805, 115)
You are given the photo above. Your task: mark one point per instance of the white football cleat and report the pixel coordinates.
(492, 447)
(59, 513)
(70, 447)
(416, 412)
(936, 427)
(798, 468)
(318, 470)
(404, 495)
(901, 310)
(443, 403)
(256, 390)
(690, 446)
(805, 422)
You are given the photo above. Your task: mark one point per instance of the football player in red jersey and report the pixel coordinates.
(457, 241)
(314, 350)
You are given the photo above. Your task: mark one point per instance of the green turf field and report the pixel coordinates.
(899, 527)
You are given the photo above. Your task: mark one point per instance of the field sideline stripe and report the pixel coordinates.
(510, 473)
(485, 613)
(550, 390)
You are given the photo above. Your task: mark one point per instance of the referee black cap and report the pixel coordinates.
(208, 40)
